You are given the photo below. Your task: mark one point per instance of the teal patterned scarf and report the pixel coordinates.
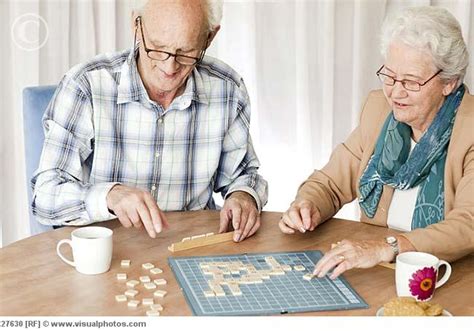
(393, 165)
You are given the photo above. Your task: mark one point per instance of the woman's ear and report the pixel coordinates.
(449, 87)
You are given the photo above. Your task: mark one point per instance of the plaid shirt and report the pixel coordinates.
(101, 129)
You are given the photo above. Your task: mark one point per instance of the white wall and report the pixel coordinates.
(308, 66)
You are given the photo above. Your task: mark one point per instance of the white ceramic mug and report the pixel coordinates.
(91, 249)
(416, 275)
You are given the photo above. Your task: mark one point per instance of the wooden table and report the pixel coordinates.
(34, 281)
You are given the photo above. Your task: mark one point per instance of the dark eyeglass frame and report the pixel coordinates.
(404, 82)
(177, 57)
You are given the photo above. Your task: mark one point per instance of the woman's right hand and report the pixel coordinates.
(302, 216)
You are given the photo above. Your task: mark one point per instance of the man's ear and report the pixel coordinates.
(212, 35)
(134, 20)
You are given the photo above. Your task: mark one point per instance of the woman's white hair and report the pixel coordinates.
(213, 11)
(433, 29)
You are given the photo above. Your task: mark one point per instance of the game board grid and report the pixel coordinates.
(279, 294)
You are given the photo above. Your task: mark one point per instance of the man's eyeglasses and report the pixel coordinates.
(409, 85)
(163, 56)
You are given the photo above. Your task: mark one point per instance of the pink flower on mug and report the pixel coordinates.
(422, 283)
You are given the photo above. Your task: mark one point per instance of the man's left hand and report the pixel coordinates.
(240, 210)
(350, 254)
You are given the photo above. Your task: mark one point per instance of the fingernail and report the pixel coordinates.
(157, 228)
(236, 237)
(302, 230)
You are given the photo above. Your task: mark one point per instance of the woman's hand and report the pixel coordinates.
(349, 254)
(302, 216)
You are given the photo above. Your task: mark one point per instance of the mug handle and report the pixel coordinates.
(446, 275)
(64, 241)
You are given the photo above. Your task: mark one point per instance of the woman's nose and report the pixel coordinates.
(398, 90)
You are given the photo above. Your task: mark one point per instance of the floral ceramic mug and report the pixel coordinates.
(416, 275)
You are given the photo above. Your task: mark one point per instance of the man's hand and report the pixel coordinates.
(302, 216)
(135, 207)
(240, 211)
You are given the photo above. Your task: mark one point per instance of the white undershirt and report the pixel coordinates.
(401, 209)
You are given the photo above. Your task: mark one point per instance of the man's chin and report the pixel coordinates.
(167, 88)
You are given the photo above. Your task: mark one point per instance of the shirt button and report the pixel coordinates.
(153, 188)
(160, 120)
(157, 154)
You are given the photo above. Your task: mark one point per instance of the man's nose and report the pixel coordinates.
(170, 66)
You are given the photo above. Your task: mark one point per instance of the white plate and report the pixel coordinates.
(380, 313)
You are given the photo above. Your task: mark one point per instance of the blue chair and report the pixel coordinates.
(35, 101)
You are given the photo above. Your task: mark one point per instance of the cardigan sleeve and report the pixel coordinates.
(453, 237)
(331, 187)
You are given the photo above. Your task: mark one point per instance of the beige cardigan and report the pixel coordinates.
(338, 182)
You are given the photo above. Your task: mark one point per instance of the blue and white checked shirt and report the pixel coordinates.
(101, 129)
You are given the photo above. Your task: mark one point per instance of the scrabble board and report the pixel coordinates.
(278, 294)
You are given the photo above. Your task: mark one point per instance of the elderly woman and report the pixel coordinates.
(410, 162)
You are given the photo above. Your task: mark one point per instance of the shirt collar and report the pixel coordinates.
(131, 87)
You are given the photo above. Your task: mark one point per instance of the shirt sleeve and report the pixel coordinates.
(62, 194)
(238, 164)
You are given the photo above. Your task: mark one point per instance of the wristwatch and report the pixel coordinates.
(393, 242)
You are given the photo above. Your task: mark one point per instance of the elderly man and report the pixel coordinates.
(157, 127)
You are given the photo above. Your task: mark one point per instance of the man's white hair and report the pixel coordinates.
(213, 11)
(433, 29)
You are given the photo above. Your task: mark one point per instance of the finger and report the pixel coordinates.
(236, 212)
(243, 223)
(338, 250)
(305, 212)
(235, 215)
(134, 218)
(164, 219)
(286, 222)
(342, 267)
(154, 213)
(255, 227)
(146, 219)
(123, 219)
(315, 219)
(251, 219)
(295, 219)
(284, 228)
(224, 220)
(330, 264)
